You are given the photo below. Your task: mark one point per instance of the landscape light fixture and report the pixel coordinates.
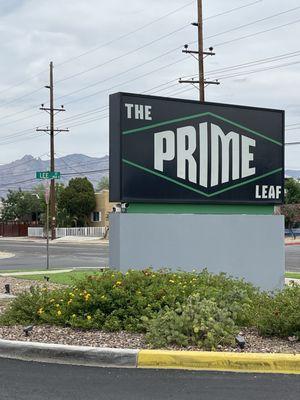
(28, 329)
(240, 341)
(7, 288)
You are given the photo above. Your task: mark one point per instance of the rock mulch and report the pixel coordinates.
(18, 286)
(76, 337)
(94, 338)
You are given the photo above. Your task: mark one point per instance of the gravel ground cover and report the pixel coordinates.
(95, 338)
(20, 285)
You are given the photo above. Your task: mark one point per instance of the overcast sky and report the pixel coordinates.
(87, 41)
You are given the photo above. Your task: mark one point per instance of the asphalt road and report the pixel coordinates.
(292, 258)
(33, 255)
(35, 381)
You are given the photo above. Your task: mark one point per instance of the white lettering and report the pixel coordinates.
(247, 156)
(148, 110)
(232, 138)
(271, 192)
(166, 138)
(186, 146)
(257, 194)
(203, 166)
(138, 111)
(129, 108)
(278, 191)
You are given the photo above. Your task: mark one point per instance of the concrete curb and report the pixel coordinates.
(63, 354)
(167, 359)
(292, 243)
(213, 361)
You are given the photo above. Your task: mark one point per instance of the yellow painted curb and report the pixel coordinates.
(214, 361)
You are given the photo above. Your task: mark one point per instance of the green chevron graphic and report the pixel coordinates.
(178, 183)
(190, 117)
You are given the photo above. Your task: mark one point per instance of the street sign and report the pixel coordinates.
(165, 150)
(47, 175)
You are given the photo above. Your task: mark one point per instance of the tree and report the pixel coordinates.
(61, 217)
(103, 184)
(23, 206)
(292, 191)
(78, 200)
(291, 213)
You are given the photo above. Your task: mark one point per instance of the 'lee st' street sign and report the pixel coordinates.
(47, 175)
(180, 151)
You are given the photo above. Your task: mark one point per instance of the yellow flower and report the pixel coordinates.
(59, 313)
(87, 296)
(69, 302)
(40, 311)
(57, 305)
(118, 283)
(103, 297)
(71, 294)
(89, 317)
(74, 316)
(52, 300)
(171, 281)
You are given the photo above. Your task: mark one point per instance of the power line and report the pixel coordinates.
(252, 23)
(120, 73)
(126, 82)
(257, 33)
(102, 45)
(123, 55)
(126, 34)
(232, 10)
(258, 70)
(151, 42)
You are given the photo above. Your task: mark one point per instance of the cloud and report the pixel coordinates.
(33, 33)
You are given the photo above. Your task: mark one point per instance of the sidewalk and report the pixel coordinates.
(292, 242)
(66, 239)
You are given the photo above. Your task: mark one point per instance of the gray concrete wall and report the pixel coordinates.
(245, 246)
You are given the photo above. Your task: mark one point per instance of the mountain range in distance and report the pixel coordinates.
(21, 173)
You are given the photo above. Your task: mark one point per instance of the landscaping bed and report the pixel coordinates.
(146, 309)
(127, 340)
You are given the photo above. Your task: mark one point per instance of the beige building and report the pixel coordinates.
(99, 217)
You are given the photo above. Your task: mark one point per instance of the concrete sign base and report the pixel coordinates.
(243, 246)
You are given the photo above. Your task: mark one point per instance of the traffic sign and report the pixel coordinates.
(47, 175)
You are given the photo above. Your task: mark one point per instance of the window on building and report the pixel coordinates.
(96, 216)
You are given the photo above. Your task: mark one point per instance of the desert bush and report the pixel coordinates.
(198, 322)
(279, 313)
(141, 301)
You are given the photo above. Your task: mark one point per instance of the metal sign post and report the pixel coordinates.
(47, 195)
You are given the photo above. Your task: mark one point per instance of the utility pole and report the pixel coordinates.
(52, 132)
(201, 54)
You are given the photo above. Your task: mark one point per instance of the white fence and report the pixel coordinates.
(35, 232)
(61, 232)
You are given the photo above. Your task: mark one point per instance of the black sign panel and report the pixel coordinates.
(167, 150)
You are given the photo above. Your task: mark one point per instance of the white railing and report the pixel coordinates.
(36, 232)
(98, 231)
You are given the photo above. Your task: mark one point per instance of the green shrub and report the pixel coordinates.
(115, 301)
(197, 322)
(141, 300)
(279, 313)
